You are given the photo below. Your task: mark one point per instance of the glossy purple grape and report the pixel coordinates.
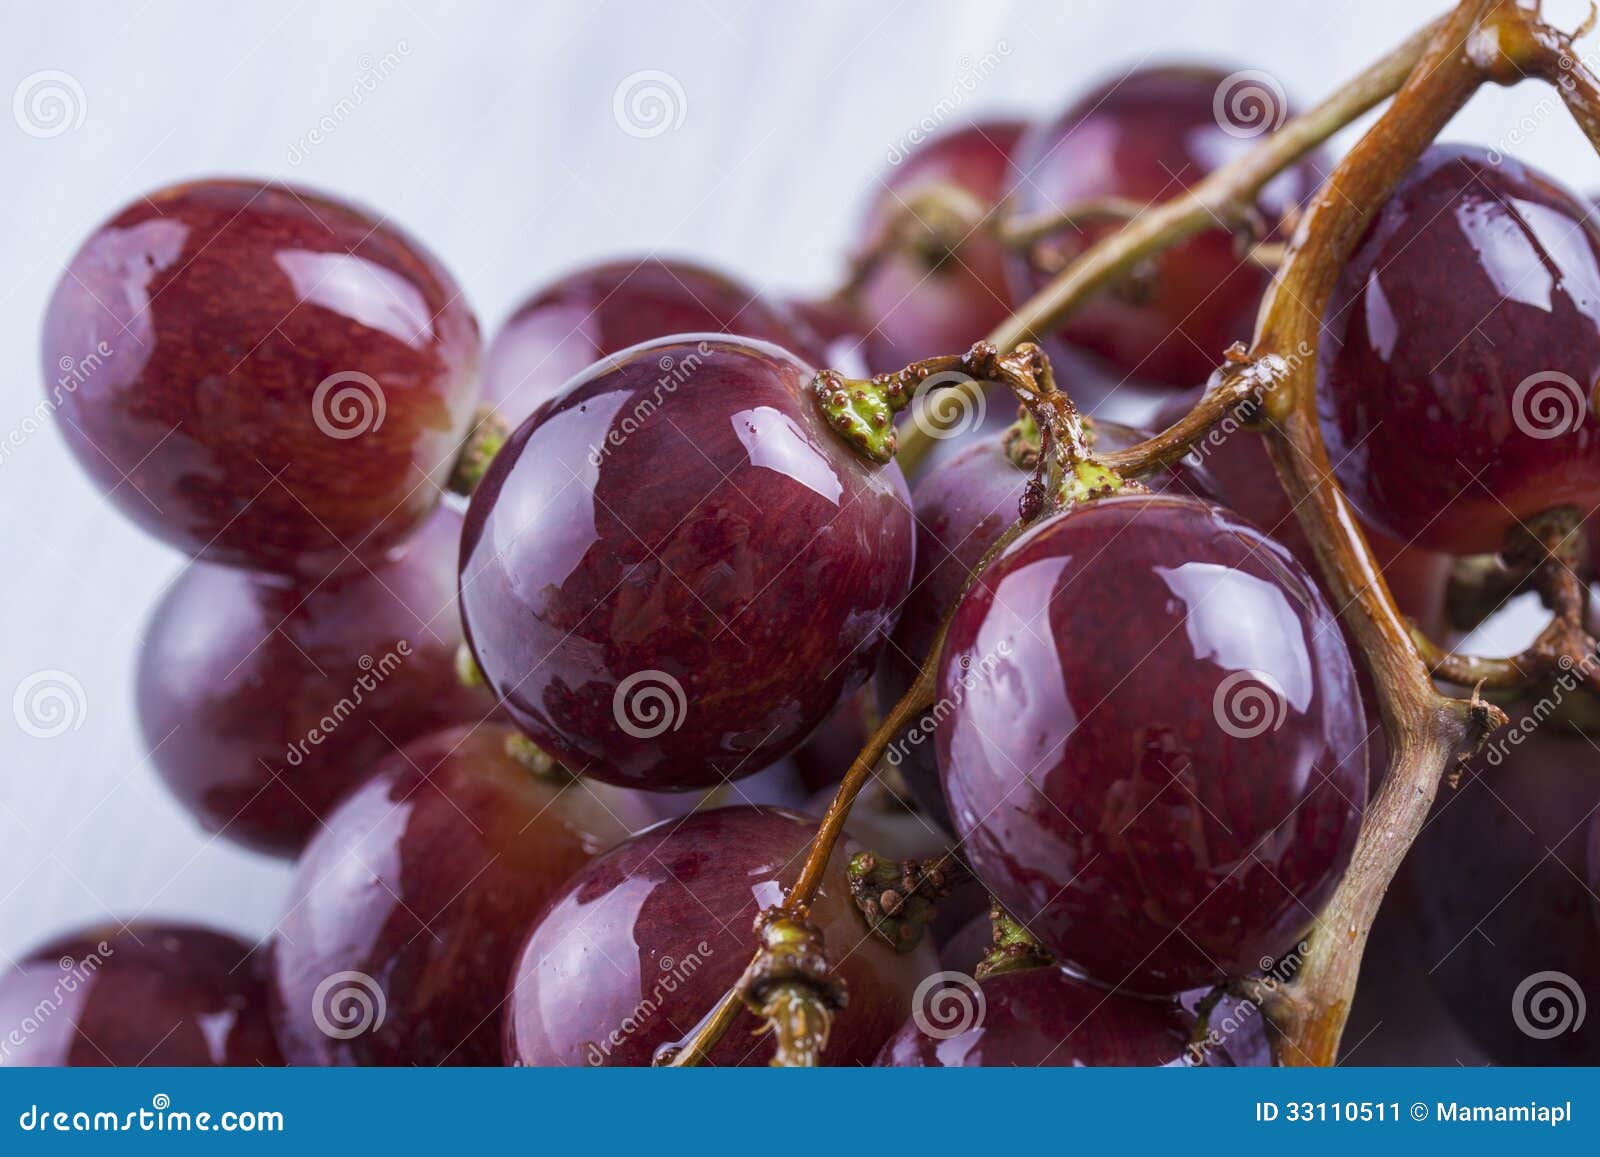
(1236, 461)
(262, 701)
(1040, 1016)
(828, 752)
(1147, 137)
(145, 994)
(1510, 932)
(1460, 352)
(408, 908)
(1155, 749)
(260, 375)
(839, 331)
(673, 572)
(591, 313)
(646, 939)
(963, 507)
(925, 301)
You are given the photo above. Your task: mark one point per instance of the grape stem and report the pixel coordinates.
(1553, 555)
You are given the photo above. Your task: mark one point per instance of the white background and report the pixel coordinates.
(494, 140)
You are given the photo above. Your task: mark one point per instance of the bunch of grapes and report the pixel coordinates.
(516, 651)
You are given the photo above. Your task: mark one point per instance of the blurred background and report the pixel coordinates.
(501, 135)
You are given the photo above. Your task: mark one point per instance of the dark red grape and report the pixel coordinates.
(673, 572)
(408, 909)
(839, 332)
(828, 752)
(143, 994)
(1460, 347)
(263, 701)
(1509, 928)
(1154, 749)
(1039, 1016)
(963, 507)
(1147, 137)
(645, 940)
(599, 310)
(1245, 481)
(260, 375)
(929, 300)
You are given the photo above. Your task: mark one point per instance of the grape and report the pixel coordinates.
(963, 507)
(1147, 137)
(1236, 460)
(1153, 747)
(827, 754)
(599, 310)
(1461, 345)
(263, 701)
(1509, 929)
(929, 299)
(140, 994)
(262, 376)
(1039, 1016)
(645, 940)
(408, 908)
(840, 334)
(674, 572)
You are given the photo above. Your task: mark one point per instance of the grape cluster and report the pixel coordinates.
(682, 558)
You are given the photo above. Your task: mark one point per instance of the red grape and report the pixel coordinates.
(599, 310)
(1461, 345)
(673, 572)
(1245, 481)
(263, 701)
(646, 939)
(1147, 137)
(932, 300)
(260, 375)
(963, 506)
(408, 907)
(1040, 1016)
(1509, 928)
(139, 995)
(1153, 747)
